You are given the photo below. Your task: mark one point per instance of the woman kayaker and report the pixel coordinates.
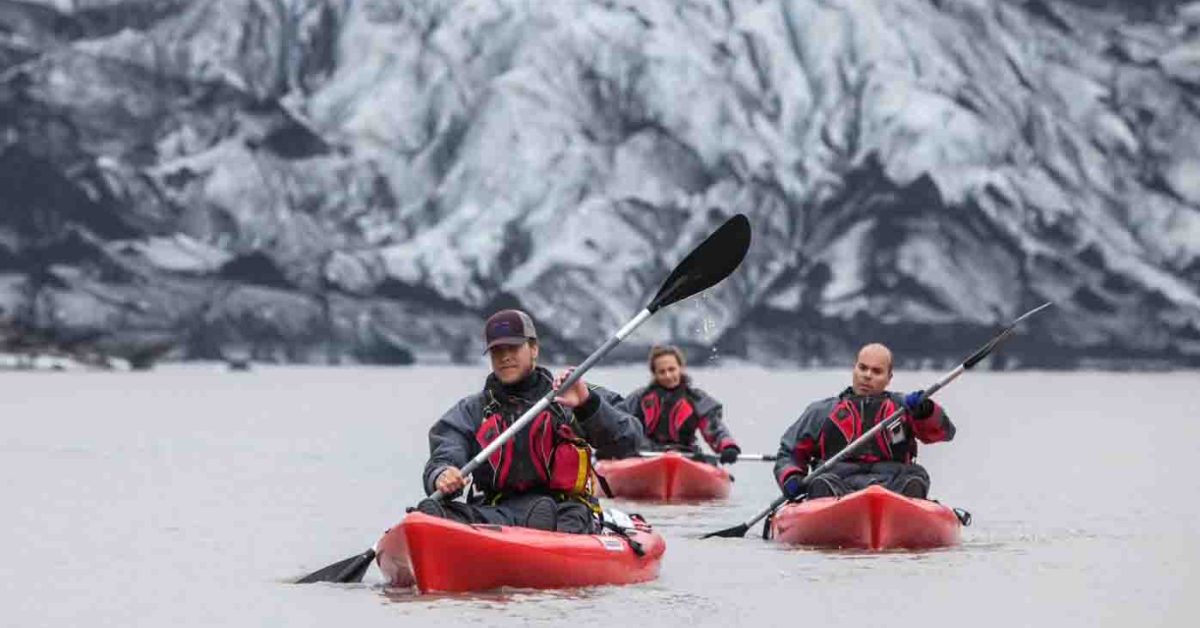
(672, 410)
(830, 424)
(541, 477)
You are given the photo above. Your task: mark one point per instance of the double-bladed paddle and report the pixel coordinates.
(891, 422)
(713, 260)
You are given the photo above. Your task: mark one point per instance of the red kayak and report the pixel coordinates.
(873, 518)
(669, 477)
(442, 555)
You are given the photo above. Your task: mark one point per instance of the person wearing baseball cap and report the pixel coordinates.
(541, 477)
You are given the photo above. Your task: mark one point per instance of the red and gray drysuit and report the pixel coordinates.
(828, 425)
(671, 417)
(550, 456)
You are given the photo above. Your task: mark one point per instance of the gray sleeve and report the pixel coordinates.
(929, 424)
(632, 404)
(712, 421)
(452, 440)
(612, 431)
(796, 447)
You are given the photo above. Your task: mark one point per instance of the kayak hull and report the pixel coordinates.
(871, 519)
(669, 477)
(439, 555)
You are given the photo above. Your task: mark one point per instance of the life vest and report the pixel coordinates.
(546, 455)
(677, 425)
(851, 417)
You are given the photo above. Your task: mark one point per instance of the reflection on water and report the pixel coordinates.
(485, 599)
(851, 554)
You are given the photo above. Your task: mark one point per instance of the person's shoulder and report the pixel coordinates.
(639, 392)
(700, 394)
(825, 402)
(470, 404)
(463, 415)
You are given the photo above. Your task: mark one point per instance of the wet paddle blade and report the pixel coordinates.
(710, 262)
(736, 532)
(344, 571)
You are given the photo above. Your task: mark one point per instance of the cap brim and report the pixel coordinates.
(509, 342)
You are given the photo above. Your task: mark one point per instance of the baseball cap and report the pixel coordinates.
(508, 327)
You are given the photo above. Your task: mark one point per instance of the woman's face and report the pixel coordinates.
(667, 371)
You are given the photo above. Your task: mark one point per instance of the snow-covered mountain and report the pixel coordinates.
(366, 180)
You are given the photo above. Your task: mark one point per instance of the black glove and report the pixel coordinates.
(918, 408)
(730, 454)
(793, 487)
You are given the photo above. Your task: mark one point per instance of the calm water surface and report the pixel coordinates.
(188, 496)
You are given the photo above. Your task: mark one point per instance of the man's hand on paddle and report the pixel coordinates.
(450, 482)
(918, 405)
(794, 486)
(574, 396)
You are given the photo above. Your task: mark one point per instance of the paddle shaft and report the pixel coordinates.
(545, 402)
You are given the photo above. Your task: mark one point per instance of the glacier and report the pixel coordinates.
(365, 181)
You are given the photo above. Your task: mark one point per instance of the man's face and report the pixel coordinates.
(872, 371)
(667, 372)
(513, 363)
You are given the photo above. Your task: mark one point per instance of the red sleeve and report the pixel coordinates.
(934, 428)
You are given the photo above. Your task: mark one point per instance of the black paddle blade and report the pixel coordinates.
(710, 262)
(736, 532)
(344, 571)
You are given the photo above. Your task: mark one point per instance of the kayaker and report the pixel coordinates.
(542, 477)
(672, 410)
(828, 425)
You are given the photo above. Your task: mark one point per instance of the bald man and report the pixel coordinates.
(828, 425)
